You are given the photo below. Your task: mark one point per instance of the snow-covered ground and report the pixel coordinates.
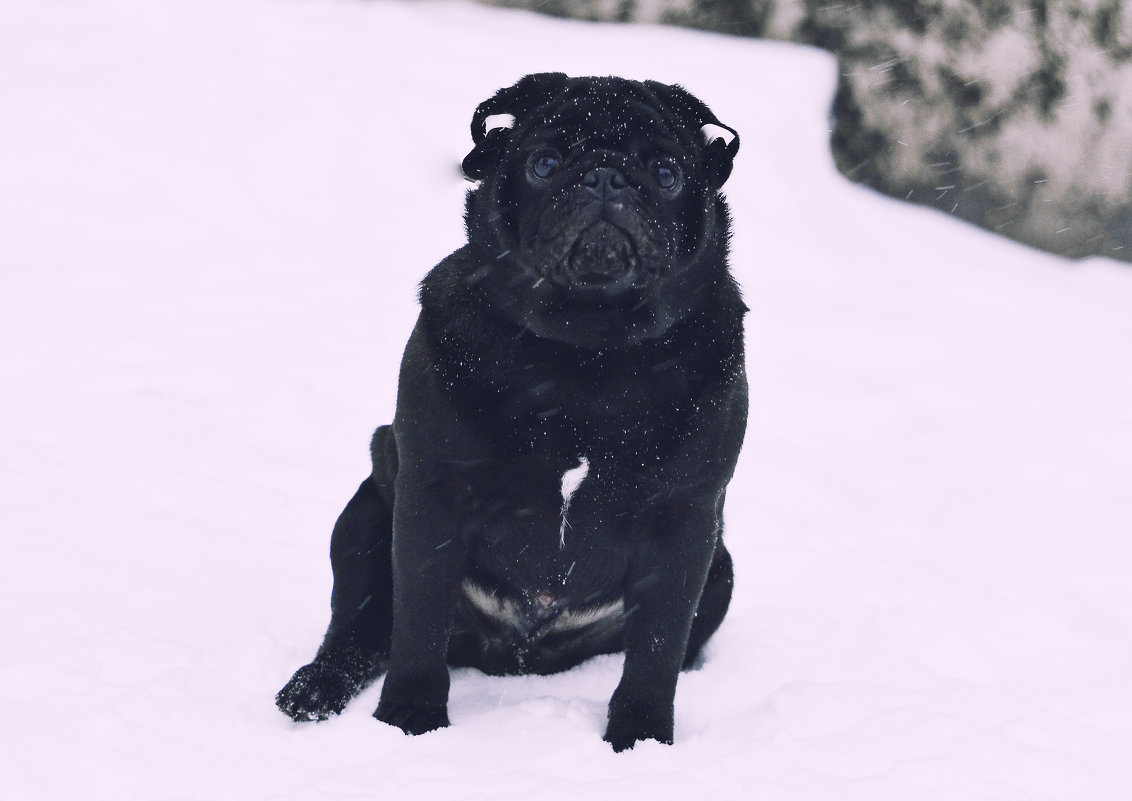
(213, 214)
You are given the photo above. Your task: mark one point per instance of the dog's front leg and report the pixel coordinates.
(428, 563)
(662, 591)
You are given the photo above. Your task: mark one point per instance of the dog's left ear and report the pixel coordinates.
(490, 126)
(719, 149)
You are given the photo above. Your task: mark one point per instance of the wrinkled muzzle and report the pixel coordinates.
(603, 256)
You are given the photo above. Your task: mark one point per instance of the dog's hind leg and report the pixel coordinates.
(361, 604)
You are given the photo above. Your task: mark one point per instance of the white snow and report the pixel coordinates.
(212, 220)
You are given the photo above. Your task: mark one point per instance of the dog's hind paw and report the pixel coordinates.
(316, 692)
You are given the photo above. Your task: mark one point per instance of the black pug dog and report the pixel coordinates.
(570, 409)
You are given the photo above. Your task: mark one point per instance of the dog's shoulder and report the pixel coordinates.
(443, 291)
(455, 314)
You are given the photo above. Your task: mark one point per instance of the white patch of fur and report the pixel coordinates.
(571, 480)
(582, 618)
(508, 611)
(504, 610)
(711, 132)
(494, 121)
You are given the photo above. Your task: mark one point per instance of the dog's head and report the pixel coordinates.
(598, 215)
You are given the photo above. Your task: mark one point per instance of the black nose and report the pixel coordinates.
(604, 182)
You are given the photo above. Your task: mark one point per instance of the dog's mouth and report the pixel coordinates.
(602, 257)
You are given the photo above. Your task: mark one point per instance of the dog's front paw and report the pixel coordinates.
(415, 701)
(412, 718)
(633, 719)
(316, 692)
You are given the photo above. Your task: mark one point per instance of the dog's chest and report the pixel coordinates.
(557, 539)
(605, 402)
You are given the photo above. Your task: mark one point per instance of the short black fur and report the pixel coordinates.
(590, 322)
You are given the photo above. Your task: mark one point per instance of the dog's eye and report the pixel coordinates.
(543, 164)
(667, 174)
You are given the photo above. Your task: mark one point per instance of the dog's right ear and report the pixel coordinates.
(490, 123)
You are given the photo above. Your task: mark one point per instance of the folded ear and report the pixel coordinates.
(719, 147)
(491, 126)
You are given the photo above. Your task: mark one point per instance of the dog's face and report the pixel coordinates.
(598, 211)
